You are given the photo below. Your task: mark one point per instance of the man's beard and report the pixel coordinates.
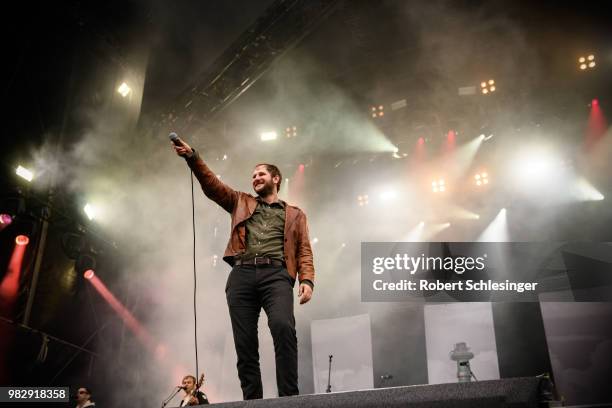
(266, 190)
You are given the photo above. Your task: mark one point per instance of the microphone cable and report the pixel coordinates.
(175, 139)
(195, 279)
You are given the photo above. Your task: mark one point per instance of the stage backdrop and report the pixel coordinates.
(349, 341)
(450, 323)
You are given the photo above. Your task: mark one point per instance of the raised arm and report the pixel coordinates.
(213, 188)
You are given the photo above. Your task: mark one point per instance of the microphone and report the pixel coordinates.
(180, 387)
(174, 138)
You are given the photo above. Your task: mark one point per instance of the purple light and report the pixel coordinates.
(5, 219)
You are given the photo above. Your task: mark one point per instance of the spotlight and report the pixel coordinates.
(388, 195)
(537, 168)
(377, 111)
(24, 173)
(124, 90)
(90, 211)
(267, 136)
(85, 262)
(438, 186)
(481, 178)
(88, 274)
(315, 240)
(5, 219)
(22, 240)
(362, 200)
(291, 132)
(487, 87)
(587, 62)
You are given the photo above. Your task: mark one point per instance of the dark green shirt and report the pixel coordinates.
(265, 231)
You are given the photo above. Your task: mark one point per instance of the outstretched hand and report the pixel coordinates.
(304, 293)
(183, 149)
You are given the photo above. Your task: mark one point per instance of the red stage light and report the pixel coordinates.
(595, 102)
(421, 140)
(88, 274)
(22, 240)
(301, 167)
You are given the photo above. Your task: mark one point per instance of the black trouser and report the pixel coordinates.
(249, 288)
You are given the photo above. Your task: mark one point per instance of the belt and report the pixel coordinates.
(259, 260)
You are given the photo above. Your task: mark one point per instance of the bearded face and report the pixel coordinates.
(262, 180)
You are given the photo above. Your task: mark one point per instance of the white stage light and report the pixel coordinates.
(267, 136)
(90, 211)
(24, 173)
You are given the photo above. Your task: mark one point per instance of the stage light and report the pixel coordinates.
(22, 240)
(481, 178)
(24, 173)
(457, 212)
(536, 168)
(416, 233)
(585, 191)
(124, 89)
(587, 62)
(5, 219)
(290, 132)
(388, 195)
(88, 274)
(497, 230)
(267, 136)
(362, 200)
(377, 111)
(315, 240)
(487, 87)
(421, 140)
(90, 211)
(438, 186)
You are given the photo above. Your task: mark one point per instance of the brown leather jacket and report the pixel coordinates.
(298, 253)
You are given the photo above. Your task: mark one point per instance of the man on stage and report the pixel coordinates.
(268, 249)
(192, 396)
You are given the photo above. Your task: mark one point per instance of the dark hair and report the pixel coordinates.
(87, 390)
(274, 171)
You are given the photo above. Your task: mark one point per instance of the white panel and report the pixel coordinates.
(349, 340)
(450, 323)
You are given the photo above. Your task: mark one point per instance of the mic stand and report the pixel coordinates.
(167, 400)
(329, 375)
